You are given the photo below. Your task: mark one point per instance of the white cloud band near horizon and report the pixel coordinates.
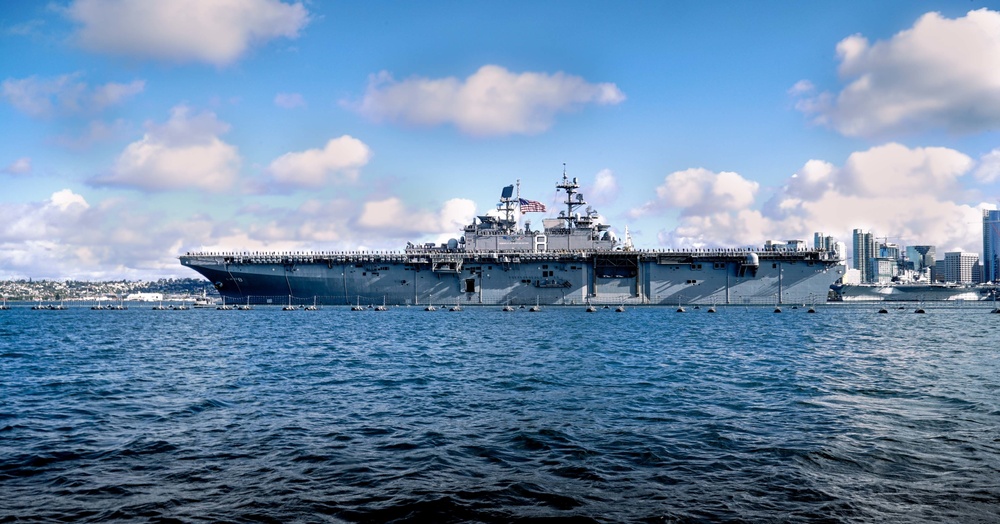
(914, 195)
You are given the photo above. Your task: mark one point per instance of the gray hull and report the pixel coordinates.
(912, 292)
(413, 278)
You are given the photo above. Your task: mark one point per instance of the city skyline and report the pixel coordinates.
(136, 132)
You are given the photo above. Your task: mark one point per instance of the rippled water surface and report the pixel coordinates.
(650, 415)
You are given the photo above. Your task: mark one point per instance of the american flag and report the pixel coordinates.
(531, 206)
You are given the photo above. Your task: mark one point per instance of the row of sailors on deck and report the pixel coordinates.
(341, 253)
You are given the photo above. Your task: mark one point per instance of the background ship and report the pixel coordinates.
(912, 292)
(573, 259)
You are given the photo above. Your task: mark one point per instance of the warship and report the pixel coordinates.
(913, 292)
(573, 259)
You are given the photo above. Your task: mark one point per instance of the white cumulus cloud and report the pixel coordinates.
(942, 73)
(341, 158)
(65, 95)
(213, 31)
(184, 153)
(700, 191)
(493, 101)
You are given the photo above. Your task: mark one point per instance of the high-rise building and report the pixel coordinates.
(823, 242)
(864, 252)
(827, 243)
(991, 245)
(960, 267)
(920, 257)
(937, 272)
(889, 250)
(883, 269)
(840, 248)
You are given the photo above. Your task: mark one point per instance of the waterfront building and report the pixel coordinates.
(828, 243)
(823, 242)
(889, 250)
(144, 297)
(864, 252)
(851, 276)
(991, 245)
(960, 267)
(840, 248)
(819, 241)
(883, 270)
(920, 257)
(937, 271)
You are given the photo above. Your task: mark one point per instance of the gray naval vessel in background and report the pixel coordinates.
(573, 259)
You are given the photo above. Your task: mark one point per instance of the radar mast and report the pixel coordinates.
(571, 187)
(506, 209)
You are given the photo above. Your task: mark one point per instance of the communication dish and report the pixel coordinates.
(507, 192)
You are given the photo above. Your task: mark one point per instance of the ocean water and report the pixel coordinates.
(650, 415)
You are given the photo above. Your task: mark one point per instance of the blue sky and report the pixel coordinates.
(135, 131)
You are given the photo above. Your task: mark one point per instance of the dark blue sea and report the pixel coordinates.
(650, 415)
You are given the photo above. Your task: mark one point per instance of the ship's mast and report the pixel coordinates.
(506, 207)
(571, 188)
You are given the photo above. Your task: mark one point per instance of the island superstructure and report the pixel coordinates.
(573, 259)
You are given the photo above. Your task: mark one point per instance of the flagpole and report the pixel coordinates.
(519, 214)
